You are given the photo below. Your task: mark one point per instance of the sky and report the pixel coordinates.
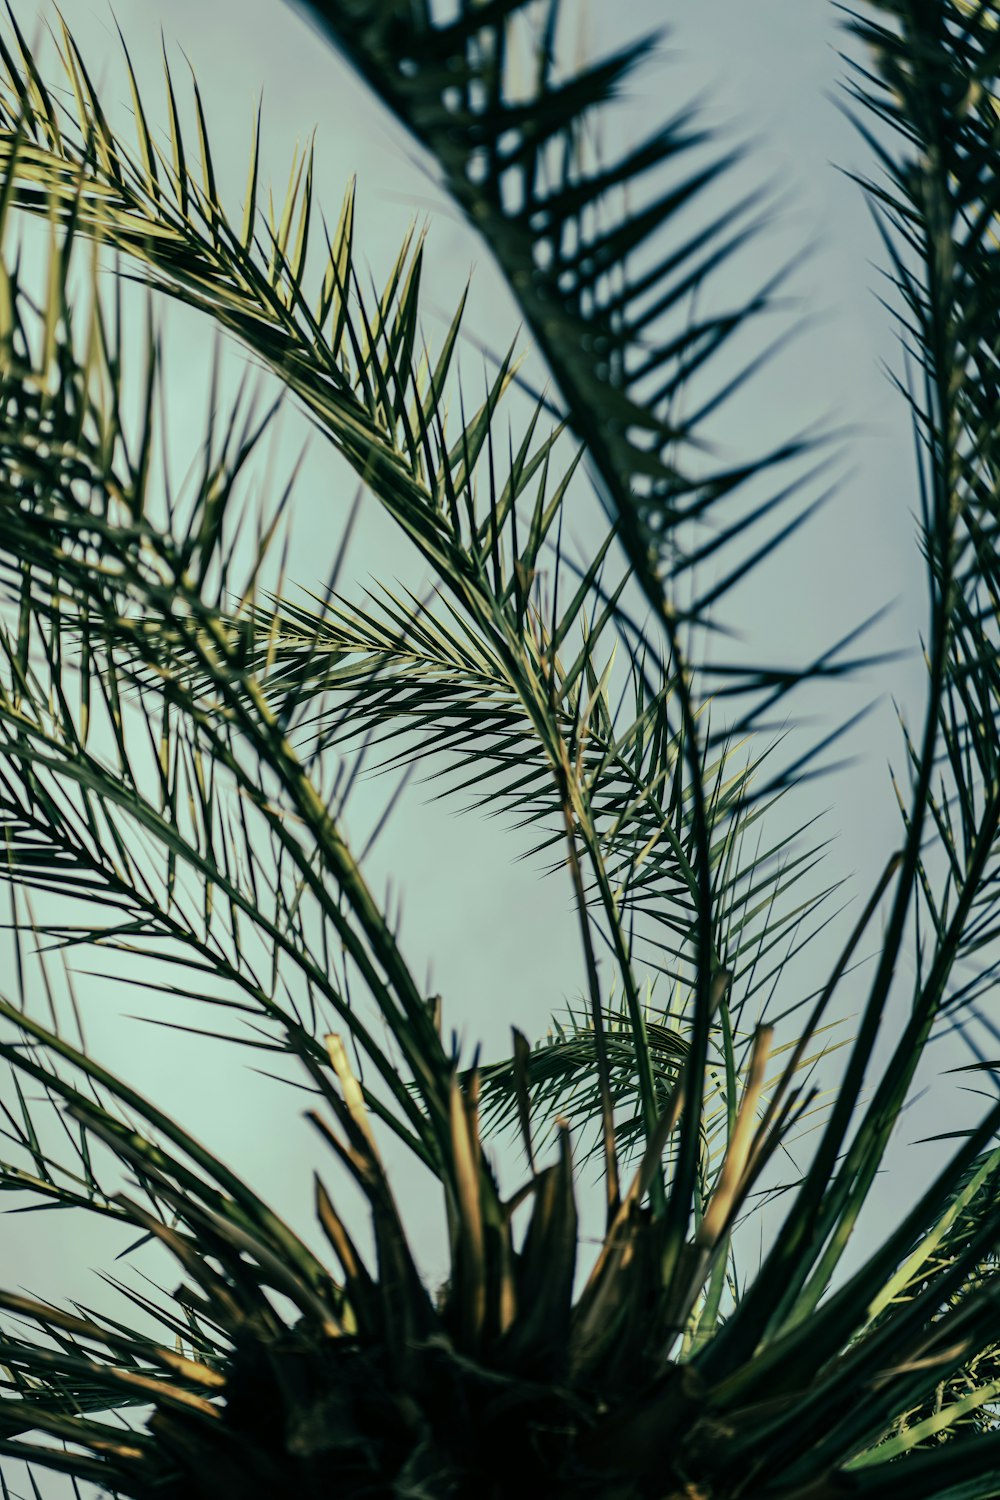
(766, 73)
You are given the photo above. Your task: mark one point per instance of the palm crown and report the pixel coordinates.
(179, 733)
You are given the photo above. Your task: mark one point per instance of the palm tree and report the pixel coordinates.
(175, 726)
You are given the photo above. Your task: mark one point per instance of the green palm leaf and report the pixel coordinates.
(170, 725)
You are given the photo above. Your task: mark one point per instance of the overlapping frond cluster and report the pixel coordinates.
(626, 326)
(198, 832)
(947, 212)
(619, 323)
(617, 265)
(518, 649)
(170, 738)
(965, 1400)
(412, 680)
(362, 1376)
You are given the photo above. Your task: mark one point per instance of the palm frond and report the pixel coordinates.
(258, 1395)
(354, 368)
(932, 81)
(179, 822)
(617, 318)
(652, 1369)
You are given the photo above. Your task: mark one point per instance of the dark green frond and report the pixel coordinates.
(608, 260)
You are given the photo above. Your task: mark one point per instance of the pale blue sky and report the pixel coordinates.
(766, 68)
